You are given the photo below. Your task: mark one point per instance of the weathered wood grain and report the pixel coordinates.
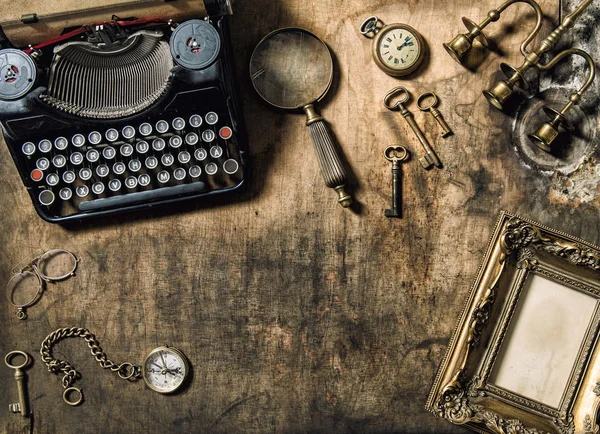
(296, 315)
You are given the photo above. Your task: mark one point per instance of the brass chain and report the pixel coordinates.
(124, 370)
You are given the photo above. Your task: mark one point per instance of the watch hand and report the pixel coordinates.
(163, 360)
(157, 366)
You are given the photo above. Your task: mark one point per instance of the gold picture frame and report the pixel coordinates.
(524, 357)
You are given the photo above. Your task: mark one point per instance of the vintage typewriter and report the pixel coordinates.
(124, 115)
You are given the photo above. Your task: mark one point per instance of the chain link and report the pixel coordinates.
(124, 370)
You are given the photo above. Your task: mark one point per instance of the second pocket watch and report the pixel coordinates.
(398, 49)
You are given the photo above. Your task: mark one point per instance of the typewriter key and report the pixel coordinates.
(167, 160)
(212, 118)
(191, 139)
(175, 142)
(178, 124)
(208, 136)
(119, 168)
(162, 127)
(111, 134)
(230, 166)
(78, 140)
(142, 147)
(85, 173)
(145, 129)
(211, 168)
(163, 176)
(184, 157)
(102, 170)
(200, 154)
(43, 163)
(195, 121)
(97, 188)
(179, 174)
(151, 162)
(65, 193)
(131, 182)
(195, 171)
(52, 179)
(59, 161)
(46, 197)
(158, 144)
(128, 132)
(76, 158)
(126, 150)
(94, 137)
(135, 165)
(45, 146)
(144, 179)
(92, 155)
(61, 143)
(225, 133)
(82, 190)
(28, 148)
(216, 151)
(37, 175)
(109, 153)
(114, 185)
(69, 177)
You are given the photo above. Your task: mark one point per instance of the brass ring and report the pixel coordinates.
(10, 355)
(11, 290)
(66, 393)
(426, 95)
(395, 92)
(129, 368)
(368, 25)
(397, 148)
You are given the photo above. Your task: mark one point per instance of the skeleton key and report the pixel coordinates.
(21, 378)
(396, 154)
(430, 158)
(431, 108)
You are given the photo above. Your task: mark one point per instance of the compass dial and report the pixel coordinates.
(165, 369)
(399, 49)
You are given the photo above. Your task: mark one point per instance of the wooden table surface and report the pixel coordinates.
(298, 315)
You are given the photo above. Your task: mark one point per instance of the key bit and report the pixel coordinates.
(430, 158)
(21, 379)
(397, 155)
(431, 108)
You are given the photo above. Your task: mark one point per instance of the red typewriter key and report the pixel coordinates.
(225, 133)
(37, 175)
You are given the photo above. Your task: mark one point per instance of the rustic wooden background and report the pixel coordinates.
(298, 315)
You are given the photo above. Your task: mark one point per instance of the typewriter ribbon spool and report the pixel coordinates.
(17, 74)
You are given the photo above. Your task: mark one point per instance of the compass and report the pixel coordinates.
(165, 369)
(398, 49)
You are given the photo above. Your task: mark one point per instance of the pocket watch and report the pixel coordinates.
(165, 369)
(398, 49)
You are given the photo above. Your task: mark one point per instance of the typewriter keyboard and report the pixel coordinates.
(133, 164)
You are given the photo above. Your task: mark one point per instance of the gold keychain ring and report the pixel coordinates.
(396, 92)
(12, 354)
(67, 393)
(423, 97)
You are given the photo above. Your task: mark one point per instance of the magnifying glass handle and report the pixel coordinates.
(332, 169)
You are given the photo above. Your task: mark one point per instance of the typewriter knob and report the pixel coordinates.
(17, 74)
(195, 44)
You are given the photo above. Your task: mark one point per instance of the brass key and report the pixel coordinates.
(430, 158)
(21, 378)
(396, 154)
(431, 108)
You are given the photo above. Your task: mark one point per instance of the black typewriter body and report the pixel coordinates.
(126, 123)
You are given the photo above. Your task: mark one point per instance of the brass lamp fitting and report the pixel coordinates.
(502, 90)
(462, 44)
(548, 131)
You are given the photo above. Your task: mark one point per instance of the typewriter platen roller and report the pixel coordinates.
(124, 115)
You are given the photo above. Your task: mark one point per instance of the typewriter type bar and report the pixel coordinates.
(124, 116)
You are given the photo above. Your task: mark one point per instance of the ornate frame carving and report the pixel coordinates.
(461, 392)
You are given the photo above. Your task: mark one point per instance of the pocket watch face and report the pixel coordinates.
(165, 369)
(399, 49)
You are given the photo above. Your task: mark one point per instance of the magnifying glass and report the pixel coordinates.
(292, 69)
